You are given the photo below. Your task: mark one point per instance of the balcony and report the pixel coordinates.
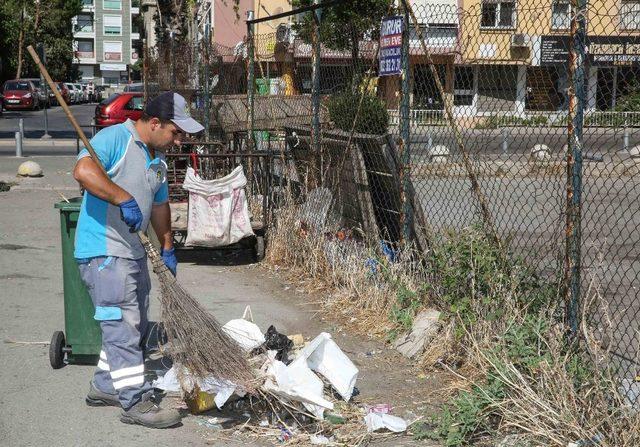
(135, 35)
(84, 57)
(134, 56)
(135, 6)
(88, 5)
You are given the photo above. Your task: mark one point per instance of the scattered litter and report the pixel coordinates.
(264, 423)
(319, 440)
(379, 408)
(285, 434)
(296, 382)
(324, 356)
(4, 186)
(297, 339)
(199, 401)
(587, 442)
(377, 421)
(276, 341)
(210, 423)
(222, 389)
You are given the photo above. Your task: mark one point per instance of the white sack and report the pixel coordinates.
(218, 210)
(324, 356)
(245, 333)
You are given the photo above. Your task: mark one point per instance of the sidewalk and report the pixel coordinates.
(46, 406)
(39, 142)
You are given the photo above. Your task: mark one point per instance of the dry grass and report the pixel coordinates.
(356, 279)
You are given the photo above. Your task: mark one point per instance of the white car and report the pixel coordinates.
(74, 97)
(84, 96)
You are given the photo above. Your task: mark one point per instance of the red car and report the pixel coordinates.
(119, 107)
(64, 92)
(20, 94)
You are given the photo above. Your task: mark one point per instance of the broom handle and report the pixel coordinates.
(146, 243)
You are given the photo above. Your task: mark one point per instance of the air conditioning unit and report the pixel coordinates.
(520, 41)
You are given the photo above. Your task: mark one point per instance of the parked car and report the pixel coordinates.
(64, 91)
(119, 107)
(74, 95)
(1, 102)
(44, 96)
(20, 94)
(81, 92)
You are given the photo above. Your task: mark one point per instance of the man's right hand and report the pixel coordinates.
(131, 214)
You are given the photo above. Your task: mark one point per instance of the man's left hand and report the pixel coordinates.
(170, 260)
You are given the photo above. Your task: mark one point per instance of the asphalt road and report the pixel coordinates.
(59, 126)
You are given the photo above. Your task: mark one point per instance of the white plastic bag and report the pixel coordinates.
(324, 356)
(246, 333)
(298, 383)
(218, 210)
(376, 421)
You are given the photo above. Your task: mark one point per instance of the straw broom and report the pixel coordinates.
(197, 339)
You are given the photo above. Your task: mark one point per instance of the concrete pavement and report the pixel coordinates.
(42, 406)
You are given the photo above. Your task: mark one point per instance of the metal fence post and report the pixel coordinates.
(207, 39)
(315, 83)
(405, 125)
(21, 126)
(250, 82)
(574, 163)
(173, 63)
(43, 83)
(18, 144)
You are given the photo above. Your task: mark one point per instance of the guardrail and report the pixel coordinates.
(595, 118)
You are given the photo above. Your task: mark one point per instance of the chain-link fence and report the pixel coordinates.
(519, 116)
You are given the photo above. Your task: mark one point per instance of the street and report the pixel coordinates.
(42, 406)
(59, 126)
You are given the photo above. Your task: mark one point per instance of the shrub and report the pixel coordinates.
(372, 119)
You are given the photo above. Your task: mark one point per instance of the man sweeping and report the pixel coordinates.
(112, 261)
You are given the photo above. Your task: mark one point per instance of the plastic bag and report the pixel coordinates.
(245, 333)
(376, 421)
(218, 210)
(324, 356)
(298, 383)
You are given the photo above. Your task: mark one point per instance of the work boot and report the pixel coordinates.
(97, 398)
(148, 413)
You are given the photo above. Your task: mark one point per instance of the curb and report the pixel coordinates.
(38, 142)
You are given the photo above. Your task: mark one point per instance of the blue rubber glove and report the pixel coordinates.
(131, 214)
(170, 260)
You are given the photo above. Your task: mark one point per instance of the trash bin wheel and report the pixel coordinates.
(56, 354)
(258, 249)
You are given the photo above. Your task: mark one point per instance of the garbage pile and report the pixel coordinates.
(305, 392)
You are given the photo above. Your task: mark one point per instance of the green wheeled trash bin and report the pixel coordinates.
(81, 340)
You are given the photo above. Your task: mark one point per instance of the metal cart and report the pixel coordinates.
(214, 160)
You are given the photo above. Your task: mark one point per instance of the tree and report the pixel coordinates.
(344, 26)
(28, 22)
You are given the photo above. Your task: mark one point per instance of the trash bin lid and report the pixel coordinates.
(72, 205)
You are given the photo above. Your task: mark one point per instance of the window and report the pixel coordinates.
(84, 49)
(630, 14)
(112, 4)
(112, 25)
(498, 14)
(84, 23)
(561, 15)
(135, 103)
(113, 51)
(463, 86)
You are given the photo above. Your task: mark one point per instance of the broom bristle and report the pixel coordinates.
(197, 339)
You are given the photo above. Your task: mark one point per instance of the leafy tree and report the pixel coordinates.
(27, 22)
(344, 26)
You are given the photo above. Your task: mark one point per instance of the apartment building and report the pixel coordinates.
(516, 53)
(107, 41)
